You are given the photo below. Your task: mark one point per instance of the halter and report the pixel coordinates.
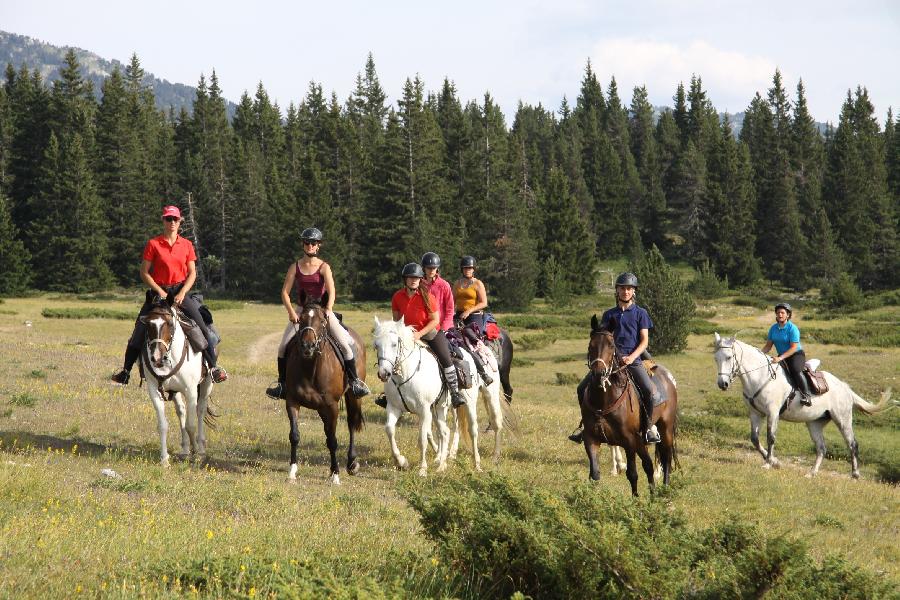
(397, 367)
(317, 344)
(162, 377)
(735, 370)
(608, 369)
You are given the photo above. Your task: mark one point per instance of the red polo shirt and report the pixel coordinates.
(413, 309)
(169, 263)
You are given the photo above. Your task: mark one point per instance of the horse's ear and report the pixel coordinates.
(402, 321)
(595, 325)
(734, 338)
(377, 322)
(143, 319)
(718, 338)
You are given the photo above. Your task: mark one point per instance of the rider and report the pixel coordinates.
(632, 337)
(418, 309)
(785, 336)
(469, 294)
(438, 286)
(168, 269)
(314, 282)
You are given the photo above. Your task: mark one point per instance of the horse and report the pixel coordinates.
(466, 417)
(610, 410)
(413, 382)
(173, 368)
(766, 390)
(315, 379)
(504, 363)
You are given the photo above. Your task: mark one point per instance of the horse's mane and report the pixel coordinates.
(391, 326)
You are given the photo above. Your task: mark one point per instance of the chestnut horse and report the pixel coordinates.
(610, 410)
(315, 379)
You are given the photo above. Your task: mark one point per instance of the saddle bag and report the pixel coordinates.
(817, 383)
(463, 374)
(194, 333)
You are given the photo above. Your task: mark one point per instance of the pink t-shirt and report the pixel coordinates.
(441, 291)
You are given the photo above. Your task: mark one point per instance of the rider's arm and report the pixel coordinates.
(480, 297)
(148, 279)
(188, 282)
(329, 285)
(788, 353)
(642, 345)
(432, 324)
(767, 347)
(286, 294)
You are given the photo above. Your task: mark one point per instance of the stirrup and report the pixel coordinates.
(218, 374)
(577, 436)
(651, 436)
(487, 379)
(806, 400)
(456, 399)
(359, 388)
(381, 400)
(121, 378)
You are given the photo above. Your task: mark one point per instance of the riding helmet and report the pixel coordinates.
(627, 279)
(430, 260)
(412, 270)
(311, 234)
(467, 261)
(786, 307)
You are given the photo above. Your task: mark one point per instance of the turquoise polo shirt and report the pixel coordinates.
(783, 337)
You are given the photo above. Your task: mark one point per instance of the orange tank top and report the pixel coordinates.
(465, 297)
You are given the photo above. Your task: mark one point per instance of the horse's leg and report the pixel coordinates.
(161, 424)
(647, 463)
(178, 401)
(444, 436)
(845, 425)
(755, 420)
(190, 413)
(472, 415)
(203, 391)
(390, 427)
(631, 469)
(424, 429)
(495, 415)
(771, 433)
(618, 460)
(329, 415)
(352, 462)
(818, 438)
(293, 413)
(593, 464)
(459, 428)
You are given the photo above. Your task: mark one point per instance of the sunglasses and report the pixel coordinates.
(311, 242)
(171, 219)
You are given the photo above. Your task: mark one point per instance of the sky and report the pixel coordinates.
(523, 50)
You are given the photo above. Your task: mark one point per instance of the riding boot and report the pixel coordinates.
(131, 356)
(479, 366)
(218, 374)
(357, 386)
(577, 436)
(651, 434)
(803, 387)
(276, 391)
(455, 398)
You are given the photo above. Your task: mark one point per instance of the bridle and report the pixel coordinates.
(608, 369)
(735, 364)
(316, 345)
(397, 364)
(162, 377)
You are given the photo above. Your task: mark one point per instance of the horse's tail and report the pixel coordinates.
(869, 408)
(211, 418)
(355, 419)
(510, 418)
(462, 420)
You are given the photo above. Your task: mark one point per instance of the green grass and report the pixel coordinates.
(88, 313)
(66, 530)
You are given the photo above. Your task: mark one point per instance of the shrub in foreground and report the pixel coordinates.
(505, 536)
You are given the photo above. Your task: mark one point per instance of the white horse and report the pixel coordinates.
(413, 383)
(766, 392)
(466, 416)
(173, 368)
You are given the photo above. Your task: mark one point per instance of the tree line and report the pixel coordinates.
(538, 202)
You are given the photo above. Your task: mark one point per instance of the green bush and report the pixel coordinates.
(706, 283)
(23, 399)
(759, 303)
(509, 537)
(843, 294)
(533, 341)
(568, 378)
(518, 361)
(664, 296)
(88, 313)
(703, 327)
(858, 334)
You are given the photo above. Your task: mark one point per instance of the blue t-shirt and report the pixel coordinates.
(629, 323)
(782, 337)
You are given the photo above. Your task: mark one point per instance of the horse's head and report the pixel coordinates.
(312, 328)
(390, 337)
(602, 349)
(725, 361)
(161, 323)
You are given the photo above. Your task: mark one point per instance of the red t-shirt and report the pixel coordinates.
(169, 263)
(413, 309)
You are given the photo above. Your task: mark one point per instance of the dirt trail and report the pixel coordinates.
(264, 347)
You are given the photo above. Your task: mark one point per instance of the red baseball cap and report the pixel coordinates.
(171, 211)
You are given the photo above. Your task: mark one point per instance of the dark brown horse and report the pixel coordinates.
(315, 379)
(611, 409)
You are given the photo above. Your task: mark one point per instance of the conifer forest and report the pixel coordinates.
(538, 197)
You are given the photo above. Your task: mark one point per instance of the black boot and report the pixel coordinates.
(357, 386)
(803, 388)
(651, 435)
(479, 366)
(131, 356)
(276, 391)
(578, 435)
(455, 398)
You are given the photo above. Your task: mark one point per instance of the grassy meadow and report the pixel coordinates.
(234, 527)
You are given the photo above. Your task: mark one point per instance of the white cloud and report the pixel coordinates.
(730, 78)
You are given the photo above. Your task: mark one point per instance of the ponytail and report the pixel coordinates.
(425, 299)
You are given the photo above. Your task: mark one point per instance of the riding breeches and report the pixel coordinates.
(335, 330)
(437, 341)
(795, 364)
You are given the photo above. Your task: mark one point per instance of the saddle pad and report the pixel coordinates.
(817, 383)
(657, 380)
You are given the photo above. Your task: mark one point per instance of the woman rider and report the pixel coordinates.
(785, 336)
(169, 270)
(314, 282)
(418, 309)
(469, 294)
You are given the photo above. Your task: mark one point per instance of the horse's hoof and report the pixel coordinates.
(441, 468)
(423, 472)
(292, 480)
(478, 469)
(335, 479)
(776, 464)
(353, 469)
(855, 474)
(402, 463)
(810, 475)
(767, 466)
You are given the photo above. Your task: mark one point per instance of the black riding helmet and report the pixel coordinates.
(786, 307)
(311, 234)
(467, 261)
(412, 270)
(430, 260)
(627, 279)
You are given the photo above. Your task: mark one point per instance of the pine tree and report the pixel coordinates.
(650, 210)
(667, 300)
(567, 238)
(15, 273)
(688, 202)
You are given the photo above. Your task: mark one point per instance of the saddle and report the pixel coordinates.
(464, 376)
(814, 377)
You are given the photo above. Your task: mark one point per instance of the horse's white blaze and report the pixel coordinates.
(765, 395)
(310, 313)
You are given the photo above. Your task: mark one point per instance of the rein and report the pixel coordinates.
(160, 377)
(735, 370)
(397, 369)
